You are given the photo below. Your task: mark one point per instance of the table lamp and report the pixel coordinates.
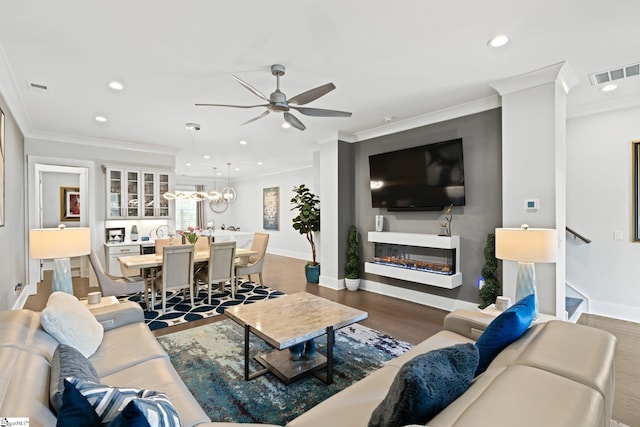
(60, 244)
(527, 246)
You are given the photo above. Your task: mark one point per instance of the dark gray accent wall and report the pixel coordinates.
(346, 199)
(482, 144)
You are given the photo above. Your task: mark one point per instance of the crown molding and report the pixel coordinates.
(101, 142)
(560, 72)
(468, 108)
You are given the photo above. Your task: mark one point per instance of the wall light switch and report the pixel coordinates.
(617, 235)
(531, 204)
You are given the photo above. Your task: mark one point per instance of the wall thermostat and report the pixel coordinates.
(531, 204)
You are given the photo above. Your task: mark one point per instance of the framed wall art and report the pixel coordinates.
(69, 204)
(271, 208)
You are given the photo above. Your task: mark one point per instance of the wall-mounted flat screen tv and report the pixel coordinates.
(427, 177)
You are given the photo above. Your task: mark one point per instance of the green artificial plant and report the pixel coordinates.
(491, 288)
(352, 266)
(307, 221)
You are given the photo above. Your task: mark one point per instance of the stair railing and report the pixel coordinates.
(577, 235)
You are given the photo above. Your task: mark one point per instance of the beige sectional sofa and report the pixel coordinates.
(558, 374)
(129, 356)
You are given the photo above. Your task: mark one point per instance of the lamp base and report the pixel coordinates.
(62, 275)
(526, 284)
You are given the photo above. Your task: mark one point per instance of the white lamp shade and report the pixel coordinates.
(51, 243)
(527, 245)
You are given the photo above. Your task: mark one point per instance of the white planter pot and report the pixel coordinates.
(352, 284)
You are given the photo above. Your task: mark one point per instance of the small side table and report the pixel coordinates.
(103, 302)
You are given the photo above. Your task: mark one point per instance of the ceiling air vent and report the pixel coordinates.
(38, 87)
(615, 74)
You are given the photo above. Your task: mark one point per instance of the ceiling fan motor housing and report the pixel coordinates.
(278, 101)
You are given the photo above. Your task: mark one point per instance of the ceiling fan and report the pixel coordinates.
(277, 101)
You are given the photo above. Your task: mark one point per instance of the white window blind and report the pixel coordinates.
(185, 213)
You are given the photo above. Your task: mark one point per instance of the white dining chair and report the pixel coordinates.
(112, 285)
(177, 272)
(220, 268)
(161, 243)
(254, 265)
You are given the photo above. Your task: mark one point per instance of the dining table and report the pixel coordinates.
(150, 264)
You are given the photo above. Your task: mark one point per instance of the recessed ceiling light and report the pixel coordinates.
(237, 169)
(219, 174)
(498, 40)
(115, 85)
(101, 119)
(260, 163)
(243, 142)
(206, 157)
(192, 126)
(609, 87)
(286, 125)
(187, 164)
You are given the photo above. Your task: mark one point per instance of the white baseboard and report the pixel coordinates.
(30, 289)
(331, 282)
(443, 303)
(290, 254)
(619, 311)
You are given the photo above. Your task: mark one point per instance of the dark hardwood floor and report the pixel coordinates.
(401, 319)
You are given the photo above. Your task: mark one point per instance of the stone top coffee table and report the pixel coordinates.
(289, 320)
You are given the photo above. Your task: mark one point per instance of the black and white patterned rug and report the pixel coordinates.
(179, 308)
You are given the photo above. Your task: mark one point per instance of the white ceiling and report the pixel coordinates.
(400, 59)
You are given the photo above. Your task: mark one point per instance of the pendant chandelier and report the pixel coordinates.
(217, 203)
(228, 193)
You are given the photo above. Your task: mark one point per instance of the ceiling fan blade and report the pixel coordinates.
(293, 121)
(312, 94)
(250, 88)
(319, 112)
(256, 118)
(234, 106)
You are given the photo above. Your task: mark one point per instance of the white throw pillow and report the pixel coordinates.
(70, 322)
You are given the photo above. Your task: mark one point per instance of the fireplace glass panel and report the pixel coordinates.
(432, 260)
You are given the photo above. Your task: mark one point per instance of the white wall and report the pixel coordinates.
(599, 201)
(246, 211)
(13, 234)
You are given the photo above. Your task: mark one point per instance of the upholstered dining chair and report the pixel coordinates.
(202, 244)
(220, 269)
(177, 271)
(112, 285)
(161, 243)
(259, 245)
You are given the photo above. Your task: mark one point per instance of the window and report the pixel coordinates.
(186, 215)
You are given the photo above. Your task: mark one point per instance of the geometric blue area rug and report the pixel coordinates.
(210, 360)
(179, 308)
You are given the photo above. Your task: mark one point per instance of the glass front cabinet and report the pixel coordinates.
(136, 193)
(154, 186)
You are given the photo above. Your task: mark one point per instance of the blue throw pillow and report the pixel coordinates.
(505, 329)
(153, 410)
(75, 410)
(108, 402)
(425, 385)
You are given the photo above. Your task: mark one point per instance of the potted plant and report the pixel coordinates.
(490, 286)
(307, 205)
(352, 266)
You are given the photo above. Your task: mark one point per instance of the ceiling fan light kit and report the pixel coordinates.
(277, 101)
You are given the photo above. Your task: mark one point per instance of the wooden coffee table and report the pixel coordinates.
(288, 320)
